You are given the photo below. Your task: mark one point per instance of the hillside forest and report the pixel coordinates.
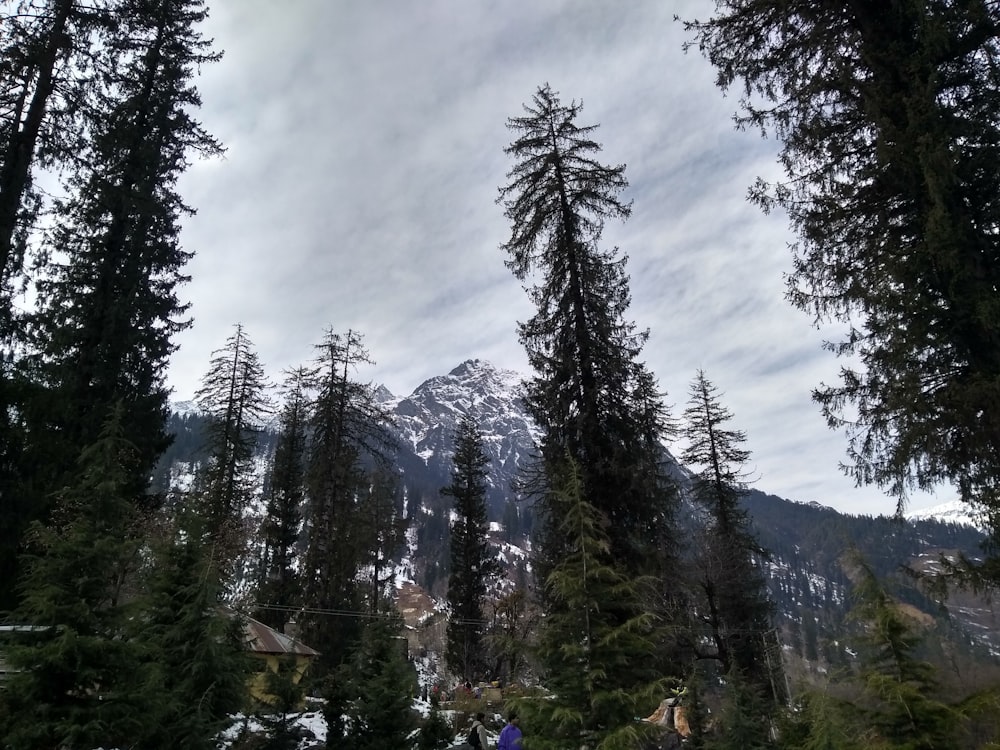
(126, 590)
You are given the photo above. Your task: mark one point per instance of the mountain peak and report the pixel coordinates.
(953, 511)
(471, 366)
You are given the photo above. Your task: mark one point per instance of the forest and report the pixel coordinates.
(125, 602)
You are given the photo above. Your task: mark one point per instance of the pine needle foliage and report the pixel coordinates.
(381, 684)
(436, 732)
(233, 395)
(886, 113)
(820, 722)
(46, 76)
(599, 669)
(745, 719)
(590, 393)
(733, 602)
(904, 707)
(195, 648)
(349, 435)
(78, 676)
(474, 562)
(110, 262)
(278, 584)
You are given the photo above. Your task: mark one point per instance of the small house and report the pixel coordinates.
(278, 653)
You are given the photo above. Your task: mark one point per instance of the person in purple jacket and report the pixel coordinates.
(510, 735)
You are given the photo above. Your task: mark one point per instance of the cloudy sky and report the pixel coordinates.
(364, 152)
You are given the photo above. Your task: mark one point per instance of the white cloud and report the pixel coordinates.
(365, 148)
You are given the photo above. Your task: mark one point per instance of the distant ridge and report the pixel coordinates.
(953, 511)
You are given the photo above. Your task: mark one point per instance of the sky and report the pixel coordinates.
(364, 152)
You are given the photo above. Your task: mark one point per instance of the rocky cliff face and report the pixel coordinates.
(426, 422)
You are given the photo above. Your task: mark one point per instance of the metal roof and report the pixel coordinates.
(262, 639)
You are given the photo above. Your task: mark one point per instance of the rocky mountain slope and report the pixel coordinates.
(807, 581)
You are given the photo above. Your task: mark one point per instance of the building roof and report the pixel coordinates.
(261, 639)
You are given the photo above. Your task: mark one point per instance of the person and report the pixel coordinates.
(510, 735)
(480, 729)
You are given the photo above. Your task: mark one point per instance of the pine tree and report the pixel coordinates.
(197, 650)
(279, 584)
(589, 653)
(42, 47)
(584, 353)
(78, 677)
(473, 561)
(885, 111)
(382, 531)
(903, 705)
(744, 721)
(233, 396)
(381, 685)
(48, 47)
(348, 428)
(593, 400)
(733, 605)
(821, 722)
(107, 302)
(107, 313)
(436, 732)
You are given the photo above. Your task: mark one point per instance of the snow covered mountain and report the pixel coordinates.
(953, 511)
(426, 421)
(805, 574)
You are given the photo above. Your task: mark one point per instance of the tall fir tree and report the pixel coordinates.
(474, 562)
(107, 302)
(591, 395)
(233, 395)
(349, 428)
(46, 86)
(584, 353)
(903, 704)
(885, 111)
(279, 585)
(436, 732)
(382, 531)
(733, 603)
(77, 677)
(108, 311)
(195, 648)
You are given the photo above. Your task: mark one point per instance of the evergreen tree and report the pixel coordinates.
(107, 302)
(279, 584)
(733, 604)
(473, 560)
(886, 113)
(47, 48)
(233, 395)
(593, 400)
(820, 722)
(512, 625)
(903, 705)
(196, 649)
(78, 677)
(436, 732)
(108, 312)
(382, 684)
(382, 533)
(589, 653)
(278, 717)
(584, 353)
(348, 428)
(744, 721)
